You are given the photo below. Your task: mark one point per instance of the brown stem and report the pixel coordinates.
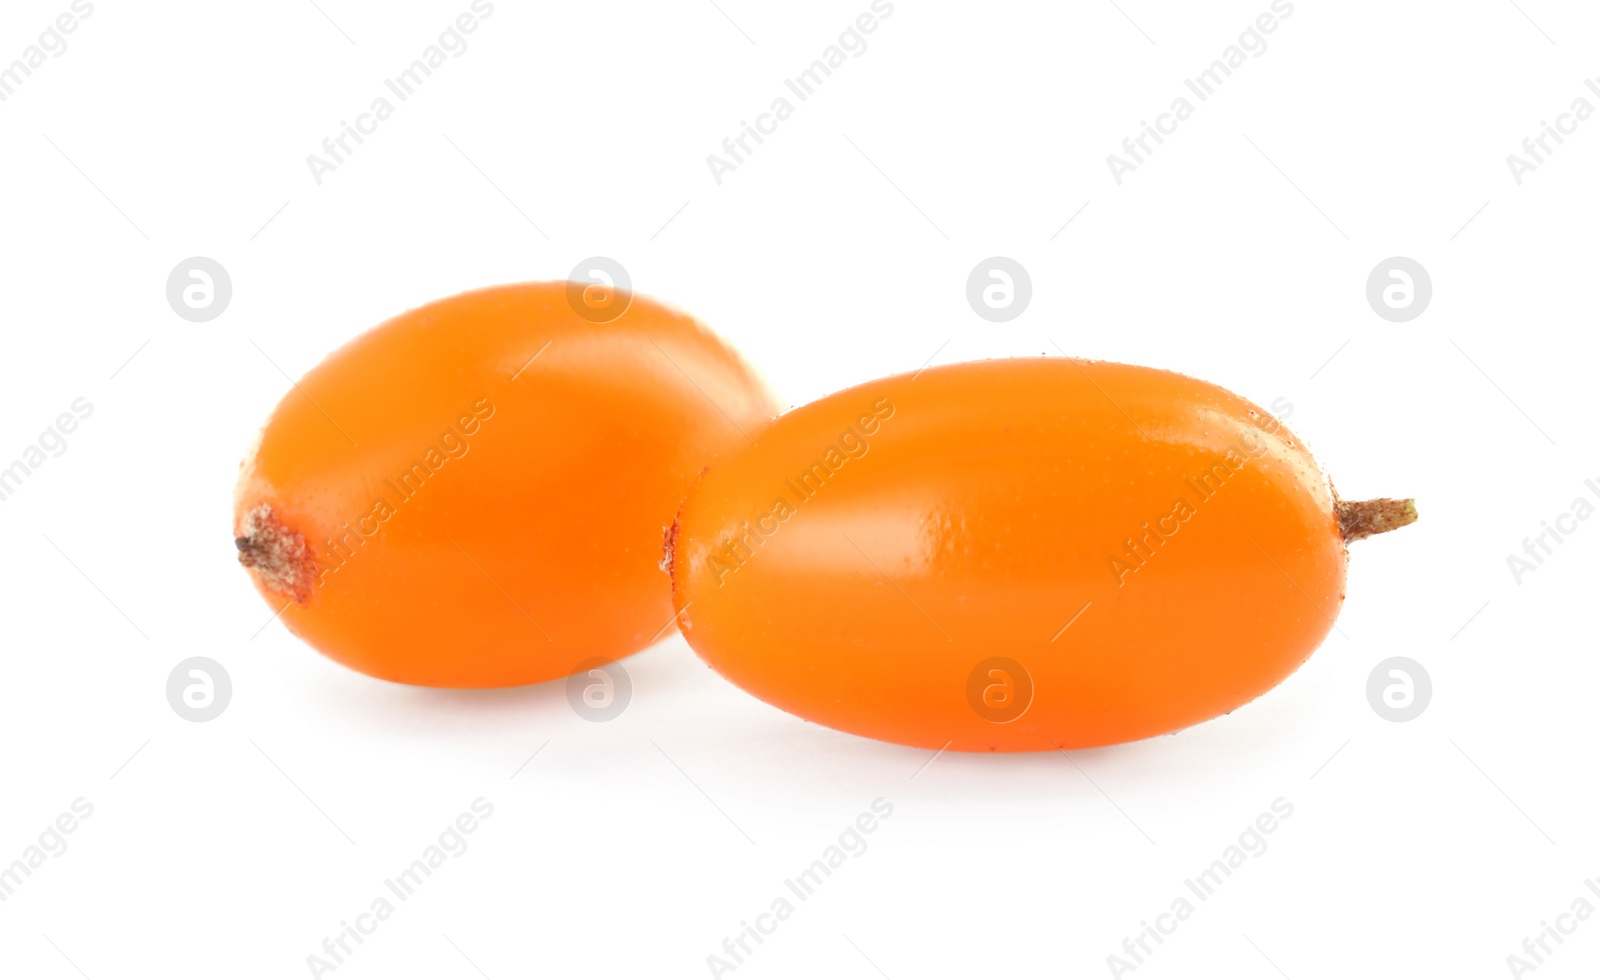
(1363, 518)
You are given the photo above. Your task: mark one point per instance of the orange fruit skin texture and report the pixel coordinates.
(981, 517)
(537, 545)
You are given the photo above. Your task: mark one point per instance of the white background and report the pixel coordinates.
(838, 252)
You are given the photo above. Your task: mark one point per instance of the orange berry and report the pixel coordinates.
(473, 493)
(1015, 556)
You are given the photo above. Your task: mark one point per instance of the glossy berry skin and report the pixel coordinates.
(1015, 555)
(473, 493)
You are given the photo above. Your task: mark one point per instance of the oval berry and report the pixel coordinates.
(1015, 555)
(473, 493)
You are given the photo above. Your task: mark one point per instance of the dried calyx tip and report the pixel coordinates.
(1363, 518)
(276, 553)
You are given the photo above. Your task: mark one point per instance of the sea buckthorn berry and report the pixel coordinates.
(1016, 555)
(473, 493)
